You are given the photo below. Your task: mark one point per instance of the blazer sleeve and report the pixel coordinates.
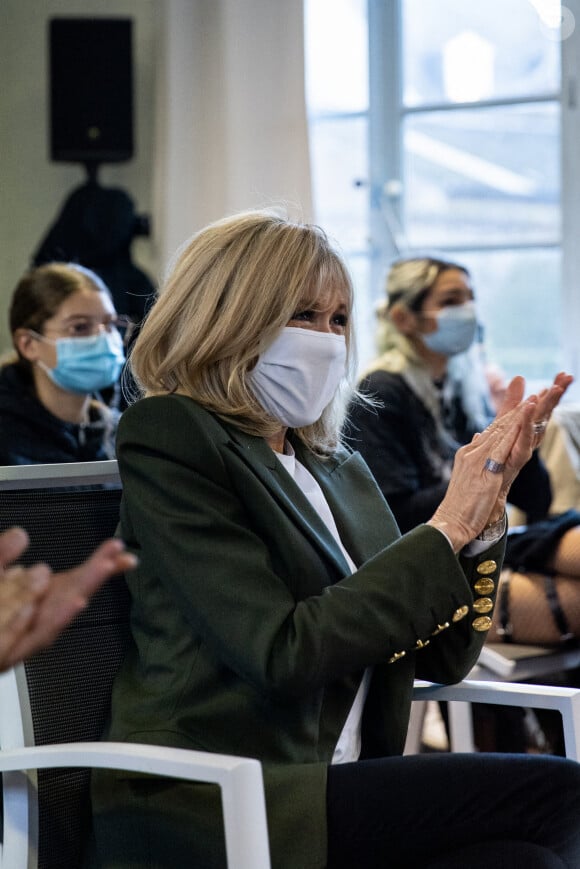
(204, 527)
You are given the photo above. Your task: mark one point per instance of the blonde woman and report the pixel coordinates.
(431, 395)
(277, 612)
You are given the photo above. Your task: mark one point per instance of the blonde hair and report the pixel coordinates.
(408, 283)
(232, 289)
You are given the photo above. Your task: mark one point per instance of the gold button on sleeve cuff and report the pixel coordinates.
(483, 605)
(483, 623)
(487, 567)
(484, 585)
(459, 613)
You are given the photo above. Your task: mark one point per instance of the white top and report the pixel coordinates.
(349, 742)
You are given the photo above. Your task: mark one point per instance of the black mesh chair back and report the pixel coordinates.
(69, 684)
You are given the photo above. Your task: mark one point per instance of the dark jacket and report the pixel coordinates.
(31, 435)
(399, 441)
(250, 636)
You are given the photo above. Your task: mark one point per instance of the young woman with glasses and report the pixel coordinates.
(68, 344)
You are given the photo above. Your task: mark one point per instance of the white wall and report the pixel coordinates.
(232, 129)
(220, 121)
(32, 188)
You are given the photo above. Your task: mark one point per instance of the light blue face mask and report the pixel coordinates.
(456, 328)
(85, 365)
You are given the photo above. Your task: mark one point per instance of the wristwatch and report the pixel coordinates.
(493, 532)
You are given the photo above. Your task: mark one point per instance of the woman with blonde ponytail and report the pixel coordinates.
(429, 396)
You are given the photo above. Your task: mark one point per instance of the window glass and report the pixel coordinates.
(518, 295)
(337, 97)
(364, 308)
(339, 165)
(476, 183)
(465, 51)
(483, 176)
(336, 55)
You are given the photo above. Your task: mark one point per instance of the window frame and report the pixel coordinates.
(570, 202)
(386, 120)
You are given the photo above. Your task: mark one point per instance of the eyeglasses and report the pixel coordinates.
(85, 327)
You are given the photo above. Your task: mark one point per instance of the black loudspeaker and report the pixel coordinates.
(91, 90)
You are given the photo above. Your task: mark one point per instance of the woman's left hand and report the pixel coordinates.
(546, 401)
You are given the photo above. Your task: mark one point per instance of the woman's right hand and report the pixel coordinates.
(477, 495)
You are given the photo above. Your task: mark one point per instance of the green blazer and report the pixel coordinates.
(250, 635)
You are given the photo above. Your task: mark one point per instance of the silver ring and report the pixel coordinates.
(540, 427)
(494, 467)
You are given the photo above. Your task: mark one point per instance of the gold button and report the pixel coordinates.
(483, 623)
(420, 644)
(485, 585)
(459, 613)
(440, 628)
(487, 567)
(396, 657)
(483, 604)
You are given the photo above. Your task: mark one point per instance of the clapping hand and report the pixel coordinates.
(36, 604)
(485, 469)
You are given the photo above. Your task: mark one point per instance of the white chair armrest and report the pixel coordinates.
(499, 693)
(565, 700)
(240, 779)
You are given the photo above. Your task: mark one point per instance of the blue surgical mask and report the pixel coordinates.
(456, 328)
(85, 365)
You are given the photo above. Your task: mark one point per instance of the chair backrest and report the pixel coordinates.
(67, 511)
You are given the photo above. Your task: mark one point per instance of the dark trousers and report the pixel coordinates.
(455, 811)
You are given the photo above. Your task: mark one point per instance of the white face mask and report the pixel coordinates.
(297, 376)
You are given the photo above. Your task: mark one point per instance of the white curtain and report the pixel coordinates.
(231, 130)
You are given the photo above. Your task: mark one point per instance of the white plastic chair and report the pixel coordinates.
(52, 708)
(240, 780)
